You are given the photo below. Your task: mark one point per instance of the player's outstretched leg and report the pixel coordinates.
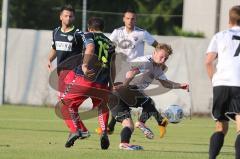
(149, 110)
(163, 126)
(145, 130)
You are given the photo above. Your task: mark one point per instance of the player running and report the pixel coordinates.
(91, 79)
(152, 68)
(225, 49)
(66, 43)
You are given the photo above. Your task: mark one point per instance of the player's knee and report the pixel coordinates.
(128, 123)
(222, 127)
(237, 118)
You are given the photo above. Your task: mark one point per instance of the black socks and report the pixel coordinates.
(237, 147)
(216, 143)
(126, 135)
(112, 124)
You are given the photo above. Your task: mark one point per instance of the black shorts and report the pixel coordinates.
(121, 107)
(226, 102)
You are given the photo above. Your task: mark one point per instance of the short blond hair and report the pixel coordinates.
(165, 47)
(234, 15)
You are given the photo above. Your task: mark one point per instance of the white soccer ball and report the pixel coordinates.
(174, 113)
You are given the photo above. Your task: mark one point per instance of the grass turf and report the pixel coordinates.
(36, 132)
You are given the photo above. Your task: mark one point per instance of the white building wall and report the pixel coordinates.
(201, 15)
(225, 6)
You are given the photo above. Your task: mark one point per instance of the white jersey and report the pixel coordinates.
(148, 71)
(131, 44)
(226, 45)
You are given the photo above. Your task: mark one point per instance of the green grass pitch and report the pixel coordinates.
(37, 133)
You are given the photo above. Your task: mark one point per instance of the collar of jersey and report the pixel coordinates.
(129, 32)
(68, 30)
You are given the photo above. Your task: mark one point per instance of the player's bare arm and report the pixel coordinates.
(209, 63)
(174, 85)
(130, 76)
(88, 55)
(52, 55)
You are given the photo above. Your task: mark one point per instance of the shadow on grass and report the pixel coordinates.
(191, 152)
(4, 145)
(34, 130)
(182, 143)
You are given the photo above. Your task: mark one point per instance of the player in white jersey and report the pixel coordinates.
(130, 39)
(152, 68)
(225, 47)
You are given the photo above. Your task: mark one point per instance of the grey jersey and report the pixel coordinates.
(148, 71)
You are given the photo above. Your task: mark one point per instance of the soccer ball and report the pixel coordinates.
(174, 113)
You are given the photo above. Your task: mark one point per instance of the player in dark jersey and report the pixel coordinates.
(90, 79)
(66, 42)
(66, 39)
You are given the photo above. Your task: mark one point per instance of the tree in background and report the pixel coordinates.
(153, 15)
(160, 16)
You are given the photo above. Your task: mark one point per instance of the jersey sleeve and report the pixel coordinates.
(53, 40)
(78, 36)
(88, 38)
(161, 77)
(148, 38)
(212, 47)
(113, 36)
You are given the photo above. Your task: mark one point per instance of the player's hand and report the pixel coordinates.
(49, 65)
(117, 86)
(185, 86)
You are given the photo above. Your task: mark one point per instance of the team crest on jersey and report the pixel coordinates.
(70, 37)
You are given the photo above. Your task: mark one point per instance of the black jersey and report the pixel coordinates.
(67, 44)
(102, 59)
